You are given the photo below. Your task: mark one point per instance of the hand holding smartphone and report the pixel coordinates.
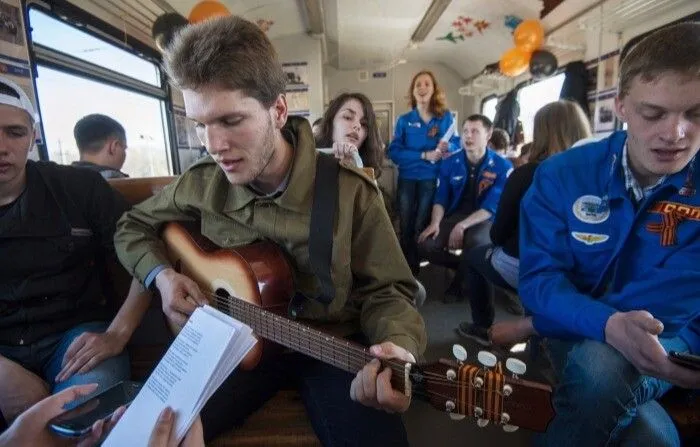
(78, 422)
(685, 359)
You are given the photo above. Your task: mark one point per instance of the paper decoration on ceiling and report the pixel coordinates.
(512, 22)
(463, 27)
(265, 24)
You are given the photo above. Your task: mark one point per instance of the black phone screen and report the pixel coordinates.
(78, 421)
(688, 360)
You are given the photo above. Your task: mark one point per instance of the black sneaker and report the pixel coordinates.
(474, 332)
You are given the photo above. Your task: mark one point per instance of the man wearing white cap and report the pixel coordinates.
(56, 231)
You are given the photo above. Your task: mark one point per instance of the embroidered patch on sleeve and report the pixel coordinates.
(590, 238)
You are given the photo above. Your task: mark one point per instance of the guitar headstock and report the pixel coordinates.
(486, 393)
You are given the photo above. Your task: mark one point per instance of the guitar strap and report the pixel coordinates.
(323, 213)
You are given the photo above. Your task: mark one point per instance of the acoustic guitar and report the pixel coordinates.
(254, 284)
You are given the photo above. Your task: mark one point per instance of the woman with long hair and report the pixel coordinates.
(558, 125)
(349, 125)
(421, 138)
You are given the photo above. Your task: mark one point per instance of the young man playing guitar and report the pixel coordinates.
(610, 254)
(259, 184)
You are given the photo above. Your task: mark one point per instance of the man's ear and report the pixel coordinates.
(279, 111)
(620, 109)
(112, 146)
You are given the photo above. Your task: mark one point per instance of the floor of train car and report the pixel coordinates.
(425, 425)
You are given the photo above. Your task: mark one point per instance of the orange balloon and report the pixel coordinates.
(529, 35)
(514, 62)
(207, 10)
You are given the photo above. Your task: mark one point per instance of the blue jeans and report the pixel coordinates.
(325, 392)
(45, 357)
(506, 266)
(415, 202)
(602, 400)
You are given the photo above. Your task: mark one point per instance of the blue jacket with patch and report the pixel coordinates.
(454, 177)
(587, 252)
(412, 137)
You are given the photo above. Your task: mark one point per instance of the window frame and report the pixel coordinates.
(63, 62)
(486, 99)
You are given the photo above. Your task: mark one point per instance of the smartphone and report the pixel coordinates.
(685, 359)
(78, 421)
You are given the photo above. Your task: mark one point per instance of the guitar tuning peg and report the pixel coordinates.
(482, 422)
(510, 428)
(516, 366)
(456, 416)
(459, 352)
(487, 359)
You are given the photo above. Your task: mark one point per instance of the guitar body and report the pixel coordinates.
(257, 273)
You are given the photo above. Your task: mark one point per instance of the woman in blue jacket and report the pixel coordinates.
(421, 138)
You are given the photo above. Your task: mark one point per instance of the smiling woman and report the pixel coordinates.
(421, 138)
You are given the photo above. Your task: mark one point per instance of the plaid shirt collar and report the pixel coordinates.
(632, 185)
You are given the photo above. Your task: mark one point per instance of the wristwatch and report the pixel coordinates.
(422, 155)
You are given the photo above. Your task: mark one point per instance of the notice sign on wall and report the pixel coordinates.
(297, 91)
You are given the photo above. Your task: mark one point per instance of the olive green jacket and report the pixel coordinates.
(374, 286)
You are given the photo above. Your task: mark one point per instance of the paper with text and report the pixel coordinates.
(204, 353)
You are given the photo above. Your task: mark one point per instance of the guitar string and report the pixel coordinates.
(323, 339)
(256, 312)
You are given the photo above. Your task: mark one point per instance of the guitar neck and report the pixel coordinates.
(338, 352)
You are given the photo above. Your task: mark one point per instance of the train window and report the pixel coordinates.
(488, 107)
(536, 95)
(79, 74)
(81, 45)
(142, 117)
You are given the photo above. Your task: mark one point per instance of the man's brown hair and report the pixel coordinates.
(675, 48)
(229, 53)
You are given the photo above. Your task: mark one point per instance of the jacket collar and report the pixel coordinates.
(299, 192)
(686, 177)
(487, 162)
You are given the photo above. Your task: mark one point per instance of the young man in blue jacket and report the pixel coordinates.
(610, 254)
(470, 184)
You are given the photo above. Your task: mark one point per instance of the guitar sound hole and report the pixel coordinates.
(225, 304)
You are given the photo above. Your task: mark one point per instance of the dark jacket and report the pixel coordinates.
(55, 242)
(504, 231)
(105, 171)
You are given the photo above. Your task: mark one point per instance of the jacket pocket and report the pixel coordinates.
(225, 232)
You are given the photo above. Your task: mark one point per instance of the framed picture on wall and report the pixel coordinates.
(384, 111)
(604, 117)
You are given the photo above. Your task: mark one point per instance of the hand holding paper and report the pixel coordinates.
(205, 352)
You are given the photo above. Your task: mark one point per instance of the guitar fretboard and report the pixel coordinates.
(335, 351)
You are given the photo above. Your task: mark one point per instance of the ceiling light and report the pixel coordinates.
(432, 15)
(314, 15)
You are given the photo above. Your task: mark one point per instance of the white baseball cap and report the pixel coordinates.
(23, 102)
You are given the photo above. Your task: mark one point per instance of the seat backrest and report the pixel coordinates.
(136, 190)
